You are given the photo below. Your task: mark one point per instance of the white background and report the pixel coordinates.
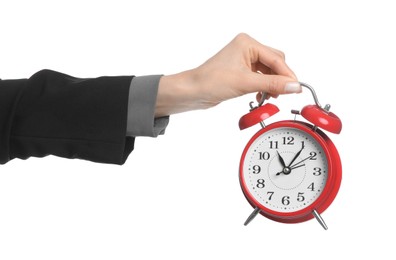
(178, 195)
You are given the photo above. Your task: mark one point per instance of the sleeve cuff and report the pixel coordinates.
(141, 108)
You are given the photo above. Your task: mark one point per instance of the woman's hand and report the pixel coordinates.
(241, 67)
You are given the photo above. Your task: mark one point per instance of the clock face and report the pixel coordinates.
(284, 169)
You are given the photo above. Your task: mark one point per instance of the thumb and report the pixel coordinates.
(276, 84)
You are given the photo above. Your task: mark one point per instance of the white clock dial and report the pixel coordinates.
(285, 169)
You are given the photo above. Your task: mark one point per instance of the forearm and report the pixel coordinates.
(181, 92)
(56, 114)
(173, 94)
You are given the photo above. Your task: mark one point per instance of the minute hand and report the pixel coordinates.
(296, 156)
(295, 165)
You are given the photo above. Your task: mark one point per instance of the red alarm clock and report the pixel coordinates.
(290, 171)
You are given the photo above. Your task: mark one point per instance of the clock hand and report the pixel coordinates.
(281, 160)
(297, 154)
(286, 170)
(298, 166)
(295, 165)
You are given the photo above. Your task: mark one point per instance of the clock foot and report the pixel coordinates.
(319, 219)
(252, 216)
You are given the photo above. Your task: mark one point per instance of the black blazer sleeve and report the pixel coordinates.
(55, 114)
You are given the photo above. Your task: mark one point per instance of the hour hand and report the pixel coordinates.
(281, 160)
(285, 170)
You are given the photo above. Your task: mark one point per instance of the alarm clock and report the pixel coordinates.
(290, 171)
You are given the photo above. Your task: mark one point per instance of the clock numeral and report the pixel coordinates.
(260, 183)
(313, 155)
(256, 169)
(317, 171)
(286, 200)
(288, 140)
(311, 187)
(264, 155)
(273, 144)
(300, 197)
(270, 194)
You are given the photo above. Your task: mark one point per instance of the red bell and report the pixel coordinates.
(322, 118)
(257, 115)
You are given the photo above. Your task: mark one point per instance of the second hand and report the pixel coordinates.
(295, 165)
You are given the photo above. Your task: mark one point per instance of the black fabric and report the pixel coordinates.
(55, 114)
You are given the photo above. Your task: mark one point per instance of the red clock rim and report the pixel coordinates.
(332, 184)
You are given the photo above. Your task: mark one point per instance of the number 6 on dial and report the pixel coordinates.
(290, 171)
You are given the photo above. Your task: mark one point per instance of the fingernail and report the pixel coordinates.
(292, 87)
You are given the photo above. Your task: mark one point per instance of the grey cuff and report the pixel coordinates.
(141, 108)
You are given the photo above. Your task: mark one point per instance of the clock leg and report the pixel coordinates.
(319, 219)
(252, 216)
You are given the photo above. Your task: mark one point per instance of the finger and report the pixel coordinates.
(274, 60)
(268, 96)
(268, 71)
(277, 65)
(259, 67)
(272, 84)
(259, 53)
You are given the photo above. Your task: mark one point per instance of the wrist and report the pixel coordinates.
(176, 94)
